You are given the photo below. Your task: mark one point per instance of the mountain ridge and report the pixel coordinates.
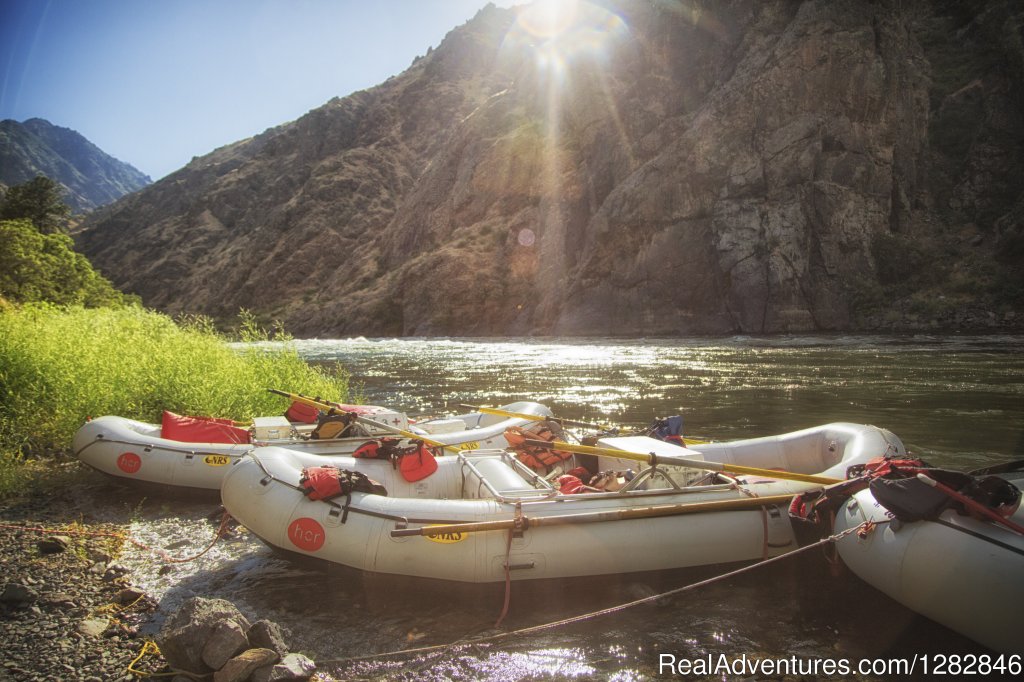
(90, 176)
(727, 168)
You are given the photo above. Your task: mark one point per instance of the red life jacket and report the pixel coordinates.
(327, 482)
(417, 464)
(570, 485)
(382, 448)
(302, 413)
(538, 458)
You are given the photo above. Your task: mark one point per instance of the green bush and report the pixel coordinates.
(60, 366)
(45, 267)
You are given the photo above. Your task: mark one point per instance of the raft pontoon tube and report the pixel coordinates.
(136, 450)
(648, 525)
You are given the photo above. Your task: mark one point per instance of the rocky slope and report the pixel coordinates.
(91, 177)
(642, 169)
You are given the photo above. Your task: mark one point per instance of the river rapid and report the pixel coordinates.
(956, 402)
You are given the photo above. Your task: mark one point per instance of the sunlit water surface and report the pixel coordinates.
(955, 401)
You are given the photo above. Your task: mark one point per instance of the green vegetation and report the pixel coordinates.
(38, 201)
(38, 262)
(45, 267)
(59, 366)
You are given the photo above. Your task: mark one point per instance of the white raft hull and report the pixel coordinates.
(968, 575)
(261, 493)
(134, 450)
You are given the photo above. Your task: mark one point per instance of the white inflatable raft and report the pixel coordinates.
(962, 572)
(135, 450)
(645, 526)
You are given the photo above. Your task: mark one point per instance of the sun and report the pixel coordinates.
(565, 49)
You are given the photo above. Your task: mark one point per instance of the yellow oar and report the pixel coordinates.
(681, 461)
(540, 418)
(532, 417)
(320, 404)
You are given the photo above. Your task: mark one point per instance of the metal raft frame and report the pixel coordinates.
(544, 491)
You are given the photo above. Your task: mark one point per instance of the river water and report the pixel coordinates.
(957, 402)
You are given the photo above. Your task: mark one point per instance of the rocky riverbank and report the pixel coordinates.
(70, 613)
(67, 608)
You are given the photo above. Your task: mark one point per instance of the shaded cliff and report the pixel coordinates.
(90, 176)
(638, 168)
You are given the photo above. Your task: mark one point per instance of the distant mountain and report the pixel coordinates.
(92, 177)
(655, 168)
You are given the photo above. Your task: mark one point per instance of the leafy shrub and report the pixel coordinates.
(60, 366)
(45, 267)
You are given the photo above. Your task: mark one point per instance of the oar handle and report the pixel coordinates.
(968, 502)
(305, 400)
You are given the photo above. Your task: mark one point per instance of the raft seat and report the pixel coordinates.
(491, 477)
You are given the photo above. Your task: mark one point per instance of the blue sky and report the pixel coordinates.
(156, 82)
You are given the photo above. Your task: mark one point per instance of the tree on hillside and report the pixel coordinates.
(44, 267)
(40, 201)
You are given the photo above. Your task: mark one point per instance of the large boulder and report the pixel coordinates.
(267, 634)
(187, 632)
(241, 667)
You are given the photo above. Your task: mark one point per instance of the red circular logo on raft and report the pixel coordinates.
(307, 534)
(129, 462)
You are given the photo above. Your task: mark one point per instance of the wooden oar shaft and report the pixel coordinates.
(683, 461)
(738, 504)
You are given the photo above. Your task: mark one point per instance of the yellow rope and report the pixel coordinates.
(150, 647)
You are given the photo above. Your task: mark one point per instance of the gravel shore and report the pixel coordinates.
(68, 611)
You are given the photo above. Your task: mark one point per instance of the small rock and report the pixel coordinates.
(99, 556)
(291, 667)
(62, 600)
(54, 544)
(242, 666)
(128, 595)
(267, 634)
(93, 627)
(18, 595)
(113, 572)
(226, 641)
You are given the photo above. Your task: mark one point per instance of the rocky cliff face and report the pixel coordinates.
(90, 176)
(643, 169)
